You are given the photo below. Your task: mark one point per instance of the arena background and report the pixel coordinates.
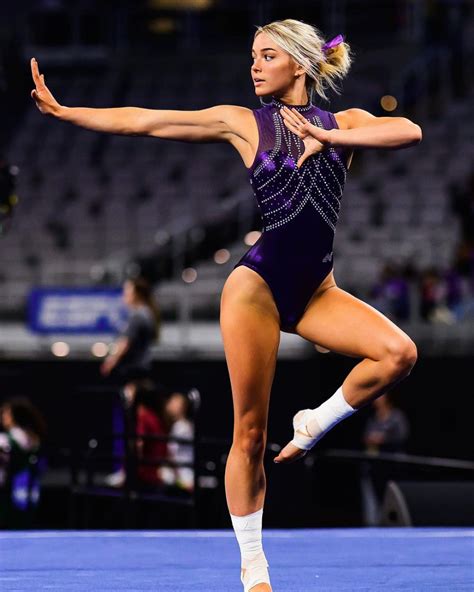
(83, 211)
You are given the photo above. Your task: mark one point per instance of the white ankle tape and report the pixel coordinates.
(248, 530)
(254, 571)
(310, 425)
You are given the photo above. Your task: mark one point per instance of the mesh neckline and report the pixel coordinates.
(280, 104)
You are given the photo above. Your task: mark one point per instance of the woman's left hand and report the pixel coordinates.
(315, 139)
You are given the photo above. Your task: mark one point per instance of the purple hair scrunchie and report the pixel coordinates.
(330, 44)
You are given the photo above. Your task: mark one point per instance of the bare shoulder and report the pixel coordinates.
(237, 118)
(353, 117)
(356, 117)
(242, 130)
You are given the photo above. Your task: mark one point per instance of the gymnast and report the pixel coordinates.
(297, 156)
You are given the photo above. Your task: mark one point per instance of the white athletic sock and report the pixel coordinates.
(321, 419)
(248, 530)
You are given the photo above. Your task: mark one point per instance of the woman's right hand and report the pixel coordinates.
(42, 96)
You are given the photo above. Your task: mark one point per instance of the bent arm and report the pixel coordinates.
(364, 130)
(122, 345)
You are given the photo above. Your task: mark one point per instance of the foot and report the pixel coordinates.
(258, 587)
(254, 576)
(291, 452)
(261, 588)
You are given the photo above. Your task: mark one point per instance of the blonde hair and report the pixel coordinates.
(304, 43)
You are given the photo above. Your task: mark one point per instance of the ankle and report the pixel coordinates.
(248, 530)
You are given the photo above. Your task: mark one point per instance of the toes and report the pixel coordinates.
(289, 454)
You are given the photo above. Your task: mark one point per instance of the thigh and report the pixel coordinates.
(251, 336)
(342, 323)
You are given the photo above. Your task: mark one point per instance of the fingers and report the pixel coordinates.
(288, 116)
(301, 160)
(296, 124)
(37, 77)
(294, 116)
(299, 116)
(35, 71)
(292, 127)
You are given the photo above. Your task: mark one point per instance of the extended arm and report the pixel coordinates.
(214, 124)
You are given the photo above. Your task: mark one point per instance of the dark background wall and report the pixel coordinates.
(437, 398)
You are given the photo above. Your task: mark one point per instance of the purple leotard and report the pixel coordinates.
(299, 209)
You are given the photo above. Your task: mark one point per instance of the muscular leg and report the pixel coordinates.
(251, 334)
(342, 323)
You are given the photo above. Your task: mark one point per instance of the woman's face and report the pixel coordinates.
(176, 406)
(6, 418)
(273, 66)
(129, 295)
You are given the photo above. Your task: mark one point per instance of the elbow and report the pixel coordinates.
(417, 133)
(413, 132)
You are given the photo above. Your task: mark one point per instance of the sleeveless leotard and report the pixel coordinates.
(299, 209)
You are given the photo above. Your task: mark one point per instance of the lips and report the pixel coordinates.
(258, 81)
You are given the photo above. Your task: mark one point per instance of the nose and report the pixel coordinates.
(256, 66)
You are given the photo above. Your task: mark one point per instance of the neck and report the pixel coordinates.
(296, 99)
(294, 94)
(280, 102)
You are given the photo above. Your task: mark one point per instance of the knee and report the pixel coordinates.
(402, 356)
(250, 440)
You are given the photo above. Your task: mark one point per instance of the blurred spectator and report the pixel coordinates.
(387, 430)
(462, 203)
(434, 297)
(23, 432)
(464, 264)
(391, 295)
(145, 419)
(150, 423)
(178, 410)
(464, 267)
(132, 360)
(454, 288)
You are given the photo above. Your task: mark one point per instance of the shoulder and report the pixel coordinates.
(140, 315)
(21, 438)
(183, 428)
(4, 442)
(236, 118)
(353, 117)
(230, 114)
(239, 128)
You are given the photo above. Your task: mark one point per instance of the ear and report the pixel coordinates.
(299, 71)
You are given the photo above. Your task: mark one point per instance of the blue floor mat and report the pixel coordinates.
(303, 560)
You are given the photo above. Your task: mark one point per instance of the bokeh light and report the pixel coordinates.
(60, 349)
(100, 349)
(388, 103)
(189, 275)
(252, 237)
(221, 256)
